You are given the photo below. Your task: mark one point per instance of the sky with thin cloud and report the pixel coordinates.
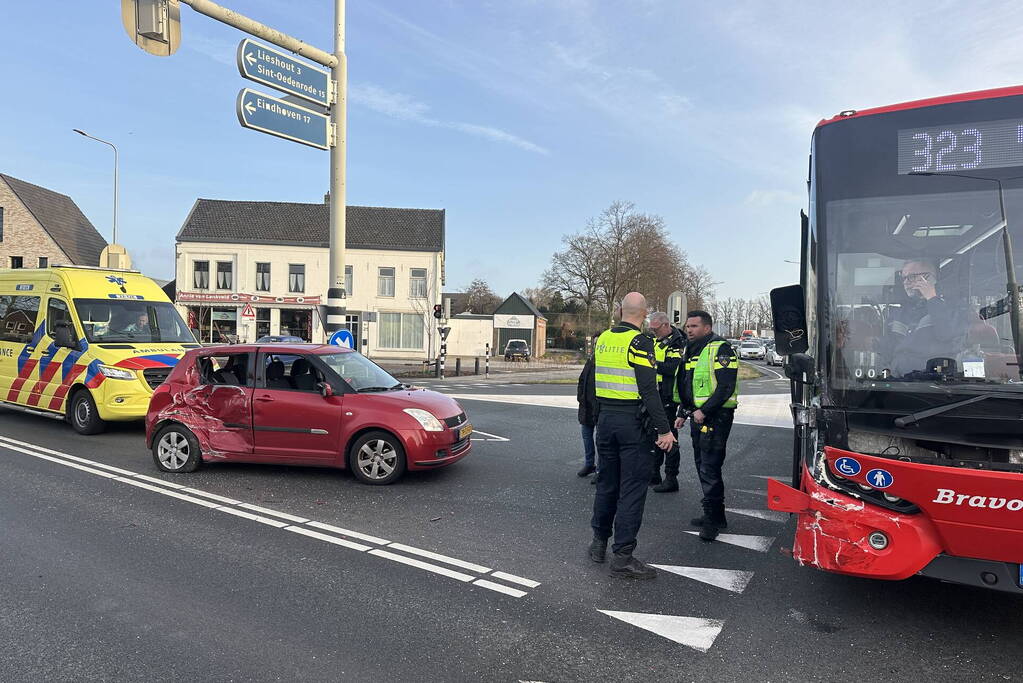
(521, 118)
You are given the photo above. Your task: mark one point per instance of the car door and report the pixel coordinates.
(221, 405)
(291, 418)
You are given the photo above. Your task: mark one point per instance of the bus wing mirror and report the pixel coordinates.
(802, 368)
(788, 311)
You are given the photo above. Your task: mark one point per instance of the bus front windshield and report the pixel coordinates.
(131, 321)
(921, 251)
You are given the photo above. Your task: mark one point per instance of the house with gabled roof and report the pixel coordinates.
(40, 227)
(251, 269)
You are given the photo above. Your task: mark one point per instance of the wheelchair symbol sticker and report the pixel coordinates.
(847, 466)
(880, 479)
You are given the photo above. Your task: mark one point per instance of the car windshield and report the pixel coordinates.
(131, 321)
(360, 372)
(919, 253)
(517, 346)
(750, 345)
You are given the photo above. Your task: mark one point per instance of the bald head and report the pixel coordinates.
(634, 308)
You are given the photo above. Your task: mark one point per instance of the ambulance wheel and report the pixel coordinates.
(175, 449)
(82, 414)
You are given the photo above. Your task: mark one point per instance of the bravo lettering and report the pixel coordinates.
(950, 497)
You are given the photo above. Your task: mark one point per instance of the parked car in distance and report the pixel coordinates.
(773, 357)
(280, 339)
(517, 349)
(300, 404)
(752, 350)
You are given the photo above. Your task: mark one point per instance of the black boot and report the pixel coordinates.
(709, 532)
(587, 469)
(655, 479)
(711, 516)
(669, 484)
(598, 549)
(713, 521)
(626, 566)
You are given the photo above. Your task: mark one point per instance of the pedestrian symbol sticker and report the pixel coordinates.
(880, 479)
(848, 467)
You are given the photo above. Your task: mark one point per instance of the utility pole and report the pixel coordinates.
(339, 121)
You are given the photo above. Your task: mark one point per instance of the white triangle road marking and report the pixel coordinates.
(693, 632)
(751, 492)
(768, 476)
(759, 543)
(769, 515)
(730, 579)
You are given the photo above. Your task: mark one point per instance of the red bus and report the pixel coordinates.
(903, 345)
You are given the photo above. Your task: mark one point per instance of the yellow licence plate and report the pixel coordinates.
(465, 431)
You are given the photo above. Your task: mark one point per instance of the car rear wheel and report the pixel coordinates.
(377, 458)
(82, 414)
(175, 449)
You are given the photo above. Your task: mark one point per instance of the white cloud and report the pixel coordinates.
(407, 108)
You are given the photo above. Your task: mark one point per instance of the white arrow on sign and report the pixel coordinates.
(249, 108)
(249, 58)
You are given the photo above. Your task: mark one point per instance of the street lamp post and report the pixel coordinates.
(113, 147)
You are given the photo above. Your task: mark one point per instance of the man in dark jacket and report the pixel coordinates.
(668, 348)
(585, 393)
(707, 389)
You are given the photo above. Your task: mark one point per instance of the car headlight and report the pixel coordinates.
(426, 419)
(116, 373)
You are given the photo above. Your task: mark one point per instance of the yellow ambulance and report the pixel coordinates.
(87, 343)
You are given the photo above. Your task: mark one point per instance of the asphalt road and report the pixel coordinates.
(108, 577)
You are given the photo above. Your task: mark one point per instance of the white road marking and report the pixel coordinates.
(422, 565)
(730, 579)
(759, 543)
(751, 492)
(693, 632)
(771, 370)
(769, 515)
(274, 513)
(490, 437)
(769, 476)
(329, 539)
(354, 534)
(254, 518)
(479, 569)
(528, 583)
(514, 592)
(180, 492)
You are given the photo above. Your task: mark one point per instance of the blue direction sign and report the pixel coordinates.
(283, 119)
(342, 338)
(280, 70)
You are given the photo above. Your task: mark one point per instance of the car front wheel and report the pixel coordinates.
(377, 458)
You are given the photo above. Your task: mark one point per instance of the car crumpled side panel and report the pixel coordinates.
(220, 416)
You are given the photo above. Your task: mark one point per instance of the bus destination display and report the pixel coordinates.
(961, 147)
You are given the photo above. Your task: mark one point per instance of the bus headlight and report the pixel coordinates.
(116, 373)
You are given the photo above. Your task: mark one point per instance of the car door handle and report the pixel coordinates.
(264, 398)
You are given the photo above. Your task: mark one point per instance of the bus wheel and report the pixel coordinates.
(82, 414)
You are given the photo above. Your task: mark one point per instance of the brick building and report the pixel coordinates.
(40, 227)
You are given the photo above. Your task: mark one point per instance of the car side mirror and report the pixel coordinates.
(325, 389)
(63, 336)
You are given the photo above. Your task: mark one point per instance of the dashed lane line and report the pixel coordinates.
(284, 520)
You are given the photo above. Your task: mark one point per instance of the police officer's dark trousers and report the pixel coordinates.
(670, 460)
(709, 441)
(623, 475)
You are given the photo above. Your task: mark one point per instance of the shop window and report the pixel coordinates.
(224, 275)
(401, 331)
(385, 281)
(417, 283)
(262, 322)
(262, 277)
(296, 277)
(201, 274)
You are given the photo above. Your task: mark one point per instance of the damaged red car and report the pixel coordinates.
(300, 404)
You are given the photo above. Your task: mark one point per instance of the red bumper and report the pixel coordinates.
(832, 532)
(430, 450)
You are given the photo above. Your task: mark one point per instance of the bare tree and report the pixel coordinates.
(480, 298)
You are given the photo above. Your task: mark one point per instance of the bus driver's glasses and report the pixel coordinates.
(917, 277)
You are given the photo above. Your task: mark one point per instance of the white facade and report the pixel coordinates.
(399, 287)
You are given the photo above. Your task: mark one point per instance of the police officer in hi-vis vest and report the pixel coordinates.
(626, 386)
(706, 391)
(668, 349)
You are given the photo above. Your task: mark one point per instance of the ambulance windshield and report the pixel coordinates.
(131, 321)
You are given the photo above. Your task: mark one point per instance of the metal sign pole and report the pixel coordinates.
(338, 118)
(486, 372)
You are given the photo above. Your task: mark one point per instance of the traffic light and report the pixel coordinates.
(676, 317)
(438, 311)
